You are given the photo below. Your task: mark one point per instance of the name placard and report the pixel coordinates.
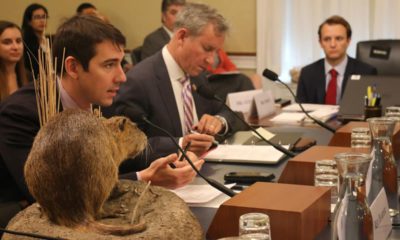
(264, 104)
(242, 101)
(380, 216)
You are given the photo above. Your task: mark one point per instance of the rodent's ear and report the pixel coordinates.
(122, 124)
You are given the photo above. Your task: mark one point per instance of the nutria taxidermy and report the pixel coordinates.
(73, 167)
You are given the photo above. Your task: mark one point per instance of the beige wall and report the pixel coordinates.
(137, 18)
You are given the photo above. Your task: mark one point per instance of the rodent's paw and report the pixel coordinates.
(113, 211)
(119, 189)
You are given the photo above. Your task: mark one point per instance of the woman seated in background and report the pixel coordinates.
(33, 29)
(12, 70)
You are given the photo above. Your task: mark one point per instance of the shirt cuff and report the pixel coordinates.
(225, 126)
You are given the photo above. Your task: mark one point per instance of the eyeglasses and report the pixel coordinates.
(39, 17)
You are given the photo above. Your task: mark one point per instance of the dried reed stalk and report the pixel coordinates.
(47, 99)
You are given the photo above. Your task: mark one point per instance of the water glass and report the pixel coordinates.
(360, 137)
(254, 226)
(393, 111)
(326, 174)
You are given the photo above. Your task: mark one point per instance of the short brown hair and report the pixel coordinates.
(336, 20)
(79, 36)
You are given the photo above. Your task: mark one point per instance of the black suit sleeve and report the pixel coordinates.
(19, 125)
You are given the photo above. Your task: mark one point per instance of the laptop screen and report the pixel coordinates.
(353, 101)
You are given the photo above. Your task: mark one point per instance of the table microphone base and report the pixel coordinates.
(295, 211)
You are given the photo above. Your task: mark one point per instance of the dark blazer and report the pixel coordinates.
(311, 86)
(19, 124)
(148, 92)
(154, 42)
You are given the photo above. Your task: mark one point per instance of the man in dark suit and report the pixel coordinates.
(92, 74)
(160, 37)
(155, 87)
(315, 85)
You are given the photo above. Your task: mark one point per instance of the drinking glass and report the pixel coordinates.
(393, 111)
(254, 226)
(360, 138)
(326, 174)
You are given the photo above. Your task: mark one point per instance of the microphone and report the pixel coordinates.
(32, 235)
(274, 77)
(210, 181)
(205, 92)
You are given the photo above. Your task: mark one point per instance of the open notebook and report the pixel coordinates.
(254, 150)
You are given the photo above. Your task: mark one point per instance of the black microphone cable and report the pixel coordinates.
(210, 181)
(33, 235)
(207, 93)
(274, 77)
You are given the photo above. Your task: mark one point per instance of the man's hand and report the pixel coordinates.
(200, 143)
(160, 173)
(209, 125)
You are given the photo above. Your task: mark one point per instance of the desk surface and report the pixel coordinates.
(217, 171)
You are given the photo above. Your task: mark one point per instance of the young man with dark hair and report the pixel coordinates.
(324, 81)
(92, 75)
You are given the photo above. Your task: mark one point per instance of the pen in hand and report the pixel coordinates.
(185, 150)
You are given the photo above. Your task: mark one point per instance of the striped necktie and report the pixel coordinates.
(187, 99)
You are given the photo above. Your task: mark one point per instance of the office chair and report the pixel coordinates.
(383, 54)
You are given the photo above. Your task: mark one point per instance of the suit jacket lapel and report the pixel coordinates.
(167, 94)
(321, 83)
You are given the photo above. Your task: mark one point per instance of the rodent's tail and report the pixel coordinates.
(119, 230)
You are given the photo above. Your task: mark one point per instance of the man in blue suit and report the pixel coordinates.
(315, 85)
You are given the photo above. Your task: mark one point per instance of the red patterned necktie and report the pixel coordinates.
(330, 97)
(187, 99)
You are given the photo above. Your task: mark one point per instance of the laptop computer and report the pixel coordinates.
(353, 101)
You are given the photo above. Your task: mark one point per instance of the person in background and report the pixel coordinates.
(33, 30)
(156, 40)
(12, 69)
(90, 9)
(225, 78)
(324, 81)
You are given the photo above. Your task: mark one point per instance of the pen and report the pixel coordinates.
(214, 143)
(185, 150)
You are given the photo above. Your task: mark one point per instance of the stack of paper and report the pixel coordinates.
(293, 113)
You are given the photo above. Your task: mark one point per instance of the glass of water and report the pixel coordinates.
(360, 137)
(393, 111)
(326, 174)
(254, 226)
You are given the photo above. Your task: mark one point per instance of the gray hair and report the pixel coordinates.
(196, 16)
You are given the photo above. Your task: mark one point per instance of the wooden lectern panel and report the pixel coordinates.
(300, 169)
(295, 211)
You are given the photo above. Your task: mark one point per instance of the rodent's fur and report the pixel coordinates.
(73, 167)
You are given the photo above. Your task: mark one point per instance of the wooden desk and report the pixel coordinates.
(342, 137)
(300, 169)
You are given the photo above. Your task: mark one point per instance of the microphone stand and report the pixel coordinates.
(210, 181)
(317, 121)
(33, 235)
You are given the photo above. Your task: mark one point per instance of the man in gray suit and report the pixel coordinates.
(155, 87)
(157, 39)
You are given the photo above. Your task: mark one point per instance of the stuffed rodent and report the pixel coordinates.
(73, 167)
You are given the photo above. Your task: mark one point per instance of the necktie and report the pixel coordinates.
(330, 97)
(187, 99)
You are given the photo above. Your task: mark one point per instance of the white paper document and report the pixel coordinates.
(245, 154)
(202, 195)
(288, 117)
(309, 107)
